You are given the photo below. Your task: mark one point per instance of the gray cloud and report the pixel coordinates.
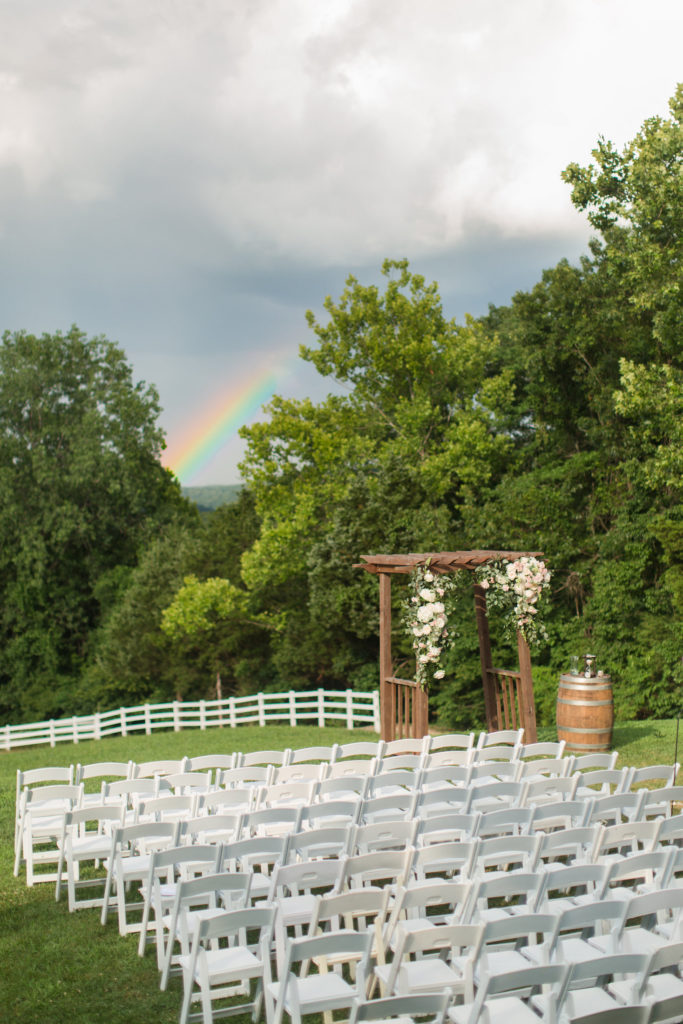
(189, 176)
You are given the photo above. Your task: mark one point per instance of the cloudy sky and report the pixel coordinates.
(189, 176)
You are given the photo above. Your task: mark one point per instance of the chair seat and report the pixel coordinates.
(316, 992)
(226, 964)
(505, 1010)
(428, 975)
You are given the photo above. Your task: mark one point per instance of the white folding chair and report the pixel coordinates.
(504, 998)
(396, 805)
(166, 868)
(243, 938)
(196, 900)
(570, 845)
(326, 991)
(503, 895)
(510, 943)
(561, 815)
(421, 905)
(646, 923)
(258, 856)
(639, 873)
(294, 890)
(508, 821)
(79, 843)
(588, 989)
(272, 821)
(576, 930)
(378, 869)
(431, 960)
(505, 853)
(602, 782)
(32, 779)
(571, 885)
(615, 842)
(128, 861)
(661, 979)
(41, 821)
(101, 771)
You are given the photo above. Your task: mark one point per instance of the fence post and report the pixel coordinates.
(98, 726)
(321, 709)
(8, 743)
(176, 716)
(52, 733)
(202, 714)
(349, 709)
(377, 722)
(148, 721)
(231, 712)
(261, 709)
(292, 708)
(74, 729)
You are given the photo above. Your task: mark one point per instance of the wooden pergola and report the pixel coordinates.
(508, 695)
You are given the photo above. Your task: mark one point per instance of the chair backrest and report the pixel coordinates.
(264, 758)
(345, 944)
(299, 772)
(517, 890)
(574, 844)
(393, 806)
(166, 808)
(452, 741)
(211, 828)
(502, 753)
(357, 909)
(406, 1008)
(330, 813)
(662, 773)
(627, 838)
(271, 821)
(503, 852)
(315, 754)
(246, 775)
(305, 877)
(617, 808)
(561, 814)
(214, 762)
(570, 880)
(359, 749)
(444, 860)
(286, 795)
(183, 782)
(585, 762)
(551, 750)
(447, 827)
(552, 977)
(353, 768)
(408, 745)
(590, 917)
(148, 768)
(323, 842)
(437, 902)
(102, 769)
(387, 834)
(447, 940)
(379, 867)
(513, 821)
(513, 737)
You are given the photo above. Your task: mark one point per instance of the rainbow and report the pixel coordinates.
(220, 423)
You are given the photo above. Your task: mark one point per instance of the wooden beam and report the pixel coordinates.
(387, 709)
(527, 706)
(488, 683)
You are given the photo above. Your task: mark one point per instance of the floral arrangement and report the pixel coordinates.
(425, 619)
(515, 588)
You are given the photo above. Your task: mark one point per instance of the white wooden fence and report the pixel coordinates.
(343, 707)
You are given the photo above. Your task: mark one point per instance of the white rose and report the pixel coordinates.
(438, 608)
(427, 595)
(425, 613)
(429, 577)
(439, 674)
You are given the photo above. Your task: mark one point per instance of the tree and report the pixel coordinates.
(81, 488)
(422, 433)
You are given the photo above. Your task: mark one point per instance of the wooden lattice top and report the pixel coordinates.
(439, 561)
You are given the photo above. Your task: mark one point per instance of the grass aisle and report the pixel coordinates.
(61, 968)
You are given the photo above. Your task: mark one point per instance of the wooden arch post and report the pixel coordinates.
(404, 707)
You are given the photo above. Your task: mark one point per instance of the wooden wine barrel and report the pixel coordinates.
(585, 713)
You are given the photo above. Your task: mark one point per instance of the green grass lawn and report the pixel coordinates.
(61, 968)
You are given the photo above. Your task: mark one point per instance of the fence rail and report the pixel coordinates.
(293, 707)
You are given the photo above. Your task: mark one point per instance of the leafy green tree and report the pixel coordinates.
(81, 488)
(422, 433)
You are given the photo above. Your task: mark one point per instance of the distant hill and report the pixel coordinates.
(210, 498)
